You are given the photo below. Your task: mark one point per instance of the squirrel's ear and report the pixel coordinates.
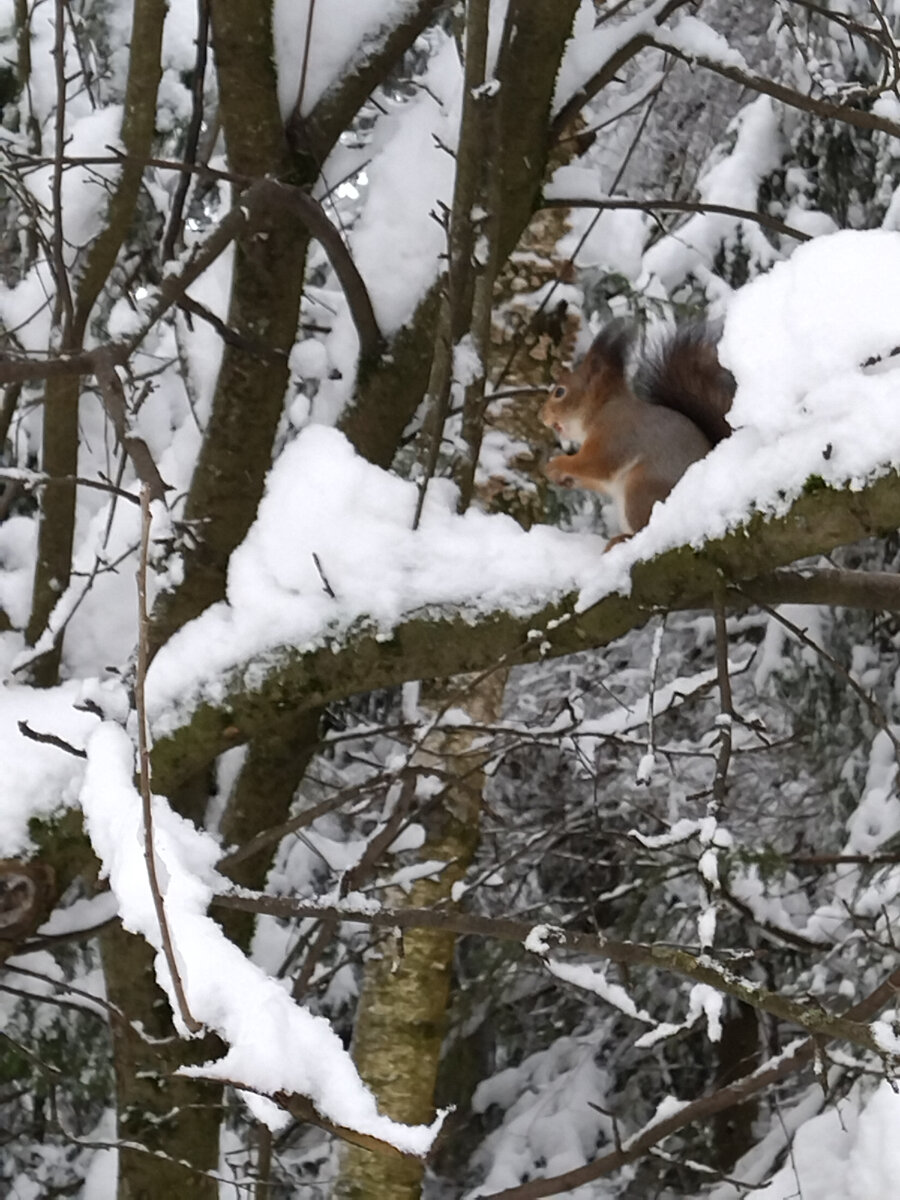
(609, 351)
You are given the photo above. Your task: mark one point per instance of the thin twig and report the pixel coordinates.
(192, 137)
(875, 710)
(683, 963)
(726, 711)
(50, 739)
(307, 42)
(662, 204)
(63, 292)
(116, 406)
(29, 480)
(143, 658)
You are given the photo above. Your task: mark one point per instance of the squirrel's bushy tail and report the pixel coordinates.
(684, 373)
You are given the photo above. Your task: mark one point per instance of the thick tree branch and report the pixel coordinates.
(457, 641)
(335, 109)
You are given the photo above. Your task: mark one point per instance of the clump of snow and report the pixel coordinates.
(695, 38)
(733, 181)
(591, 45)
(331, 522)
(584, 976)
(815, 320)
(274, 1045)
(709, 1002)
(555, 1113)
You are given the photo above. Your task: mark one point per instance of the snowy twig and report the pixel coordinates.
(860, 118)
(609, 71)
(143, 657)
(116, 407)
(663, 204)
(304, 1110)
(699, 968)
(876, 712)
(742, 1090)
(354, 878)
(726, 709)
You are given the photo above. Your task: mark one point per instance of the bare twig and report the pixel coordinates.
(63, 291)
(143, 658)
(307, 42)
(252, 346)
(116, 406)
(876, 712)
(662, 204)
(251, 207)
(30, 480)
(50, 739)
(192, 138)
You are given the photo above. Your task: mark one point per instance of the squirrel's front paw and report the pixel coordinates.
(557, 471)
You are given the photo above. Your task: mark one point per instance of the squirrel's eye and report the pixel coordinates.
(559, 392)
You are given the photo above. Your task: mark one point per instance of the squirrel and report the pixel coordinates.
(638, 436)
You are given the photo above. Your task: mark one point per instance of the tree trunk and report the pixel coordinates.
(402, 1012)
(176, 1120)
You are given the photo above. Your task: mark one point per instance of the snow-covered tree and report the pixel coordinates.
(310, 678)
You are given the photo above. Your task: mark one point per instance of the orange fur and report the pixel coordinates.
(636, 444)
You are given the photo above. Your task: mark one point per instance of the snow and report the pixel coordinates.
(334, 42)
(849, 1152)
(397, 243)
(796, 340)
(555, 1113)
(733, 181)
(584, 976)
(274, 1045)
(324, 500)
(590, 47)
(695, 38)
(37, 780)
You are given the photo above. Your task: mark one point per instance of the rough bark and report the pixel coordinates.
(263, 311)
(402, 1013)
(266, 287)
(176, 1120)
(60, 423)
